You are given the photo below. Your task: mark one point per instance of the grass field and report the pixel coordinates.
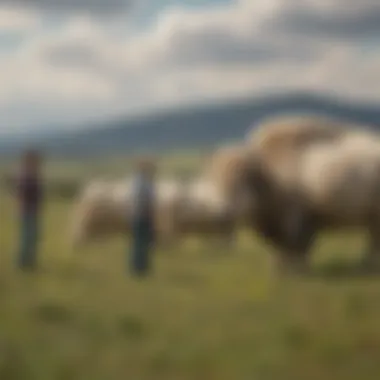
(204, 314)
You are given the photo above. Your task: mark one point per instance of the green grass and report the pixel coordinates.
(204, 313)
(111, 167)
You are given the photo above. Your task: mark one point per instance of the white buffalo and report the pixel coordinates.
(301, 175)
(309, 174)
(103, 209)
(202, 211)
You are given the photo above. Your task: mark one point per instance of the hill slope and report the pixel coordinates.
(199, 127)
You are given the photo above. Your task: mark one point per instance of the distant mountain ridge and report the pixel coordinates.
(197, 127)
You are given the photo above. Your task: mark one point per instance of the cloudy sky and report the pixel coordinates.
(65, 62)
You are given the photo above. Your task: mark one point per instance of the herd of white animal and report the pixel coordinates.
(334, 165)
(195, 207)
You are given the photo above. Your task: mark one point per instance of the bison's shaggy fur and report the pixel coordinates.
(302, 175)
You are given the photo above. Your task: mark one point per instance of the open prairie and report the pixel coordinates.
(205, 313)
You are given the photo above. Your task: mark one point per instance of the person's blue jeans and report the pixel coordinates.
(141, 244)
(28, 240)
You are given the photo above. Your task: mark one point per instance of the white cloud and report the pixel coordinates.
(96, 7)
(18, 20)
(86, 70)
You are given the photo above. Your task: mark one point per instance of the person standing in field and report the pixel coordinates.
(143, 210)
(29, 191)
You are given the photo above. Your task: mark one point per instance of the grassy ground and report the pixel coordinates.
(204, 314)
(112, 167)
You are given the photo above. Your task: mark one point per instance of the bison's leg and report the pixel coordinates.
(291, 231)
(300, 229)
(229, 236)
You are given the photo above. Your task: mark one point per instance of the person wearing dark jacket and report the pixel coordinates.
(29, 191)
(142, 218)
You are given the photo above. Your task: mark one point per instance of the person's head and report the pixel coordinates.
(146, 167)
(31, 160)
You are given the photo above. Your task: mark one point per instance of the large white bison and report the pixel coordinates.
(202, 211)
(307, 174)
(103, 209)
(313, 174)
